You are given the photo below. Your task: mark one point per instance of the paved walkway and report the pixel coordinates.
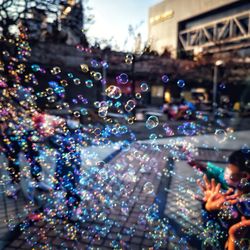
(138, 200)
(130, 187)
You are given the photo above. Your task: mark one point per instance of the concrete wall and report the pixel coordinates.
(164, 33)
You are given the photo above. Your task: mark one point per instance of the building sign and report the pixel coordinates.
(161, 18)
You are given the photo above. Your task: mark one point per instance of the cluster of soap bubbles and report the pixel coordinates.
(119, 196)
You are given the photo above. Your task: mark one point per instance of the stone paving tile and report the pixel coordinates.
(180, 206)
(126, 221)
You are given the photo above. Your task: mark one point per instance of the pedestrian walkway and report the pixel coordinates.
(108, 225)
(138, 199)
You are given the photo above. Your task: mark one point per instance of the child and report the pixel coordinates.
(228, 207)
(67, 140)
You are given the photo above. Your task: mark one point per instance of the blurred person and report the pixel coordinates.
(18, 135)
(67, 140)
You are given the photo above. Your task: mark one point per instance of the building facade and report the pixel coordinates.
(199, 26)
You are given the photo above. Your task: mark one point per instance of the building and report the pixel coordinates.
(188, 28)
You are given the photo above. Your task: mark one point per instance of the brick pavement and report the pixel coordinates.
(109, 225)
(112, 226)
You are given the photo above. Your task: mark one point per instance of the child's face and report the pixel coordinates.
(233, 175)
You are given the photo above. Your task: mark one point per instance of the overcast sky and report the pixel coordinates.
(113, 17)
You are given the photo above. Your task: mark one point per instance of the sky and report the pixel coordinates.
(113, 17)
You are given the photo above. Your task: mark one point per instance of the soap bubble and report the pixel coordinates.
(64, 83)
(84, 111)
(89, 83)
(220, 135)
(122, 78)
(94, 63)
(165, 78)
(35, 67)
(97, 76)
(222, 85)
(138, 95)
(129, 59)
(113, 92)
(76, 114)
(103, 111)
(56, 70)
(77, 81)
(148, 188)
(130, 105)
(144, 87)
(84, 68)
(152, 122)
(181, 83)
(105, 65)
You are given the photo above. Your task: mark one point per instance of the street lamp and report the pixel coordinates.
(217, 64)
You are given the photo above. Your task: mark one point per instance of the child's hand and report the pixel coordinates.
(213, 196)
(237, 231)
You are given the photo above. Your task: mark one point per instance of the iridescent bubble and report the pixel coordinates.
(148, 188)
(181, 83)
(152, 136)
(110, 103)
(152, 122)
(64, 83)
(138, 95)
(144, 87)
(84, 111)
(77, 81)
(122, 78)
(94, 63)
(220, 135)
(74, 100)
(89, 83)
(51, 99)
(113, 92)
(50, 91)
(76, 114)
(130, 105)
(70, 75)
(118, 104)
(105, 65)
(129, 59)
(97, 76)
(165, 78)
(129, 176)
(35, 67)
(103, 111)
(97, 104)
(56, 70)
(84, 68)
(222, 85)
(129, 56)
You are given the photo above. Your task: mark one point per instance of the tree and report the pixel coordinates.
(47, 19)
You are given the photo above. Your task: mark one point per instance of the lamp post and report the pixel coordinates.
(217, 64)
